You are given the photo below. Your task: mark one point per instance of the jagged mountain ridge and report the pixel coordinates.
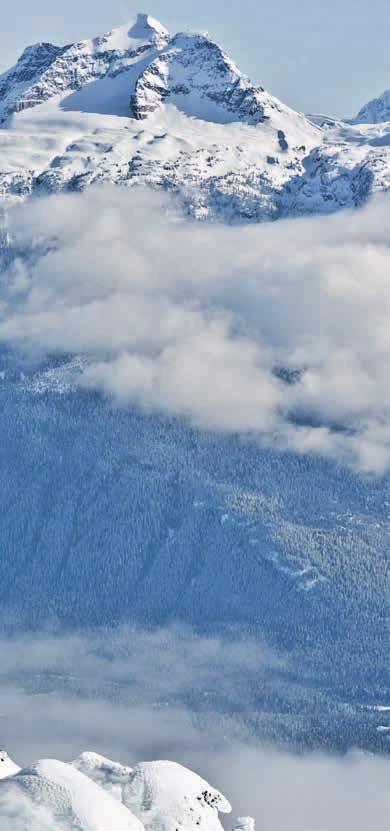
(139, 106)
(185, 63)
(72, 116)
(45, 70)
(192, 63)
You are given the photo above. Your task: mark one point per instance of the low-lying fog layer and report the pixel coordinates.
(127, 694)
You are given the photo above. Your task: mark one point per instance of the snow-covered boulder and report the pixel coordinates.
(166, 796)
(112, 776)
(96, 794)
(7, 766)
(54, 796)
(162, 794)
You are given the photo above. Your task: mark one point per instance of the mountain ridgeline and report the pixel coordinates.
(141, 106)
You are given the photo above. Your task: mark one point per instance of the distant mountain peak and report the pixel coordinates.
(375, 111)
(144, 28)
(195, 72)
(140, 105)
(188, 66)
(146, 21)
(44, 70)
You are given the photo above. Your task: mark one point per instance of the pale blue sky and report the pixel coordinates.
(325, 57)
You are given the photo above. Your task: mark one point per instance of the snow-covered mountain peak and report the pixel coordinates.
(375, 111)
(188, 69)
(32, 64)
(147, 23)
(195, 73)
(78, 109)
(35, 57)
(143, 30)
(44, 71)
(139, 106)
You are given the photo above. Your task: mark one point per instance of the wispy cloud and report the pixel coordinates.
(142, 692)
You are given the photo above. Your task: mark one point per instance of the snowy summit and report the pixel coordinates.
(139, 105)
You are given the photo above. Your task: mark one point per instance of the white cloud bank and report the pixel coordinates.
(206, 322)
(60, 695)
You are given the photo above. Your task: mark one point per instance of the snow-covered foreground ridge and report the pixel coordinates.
(141, 106)
(95, 794)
